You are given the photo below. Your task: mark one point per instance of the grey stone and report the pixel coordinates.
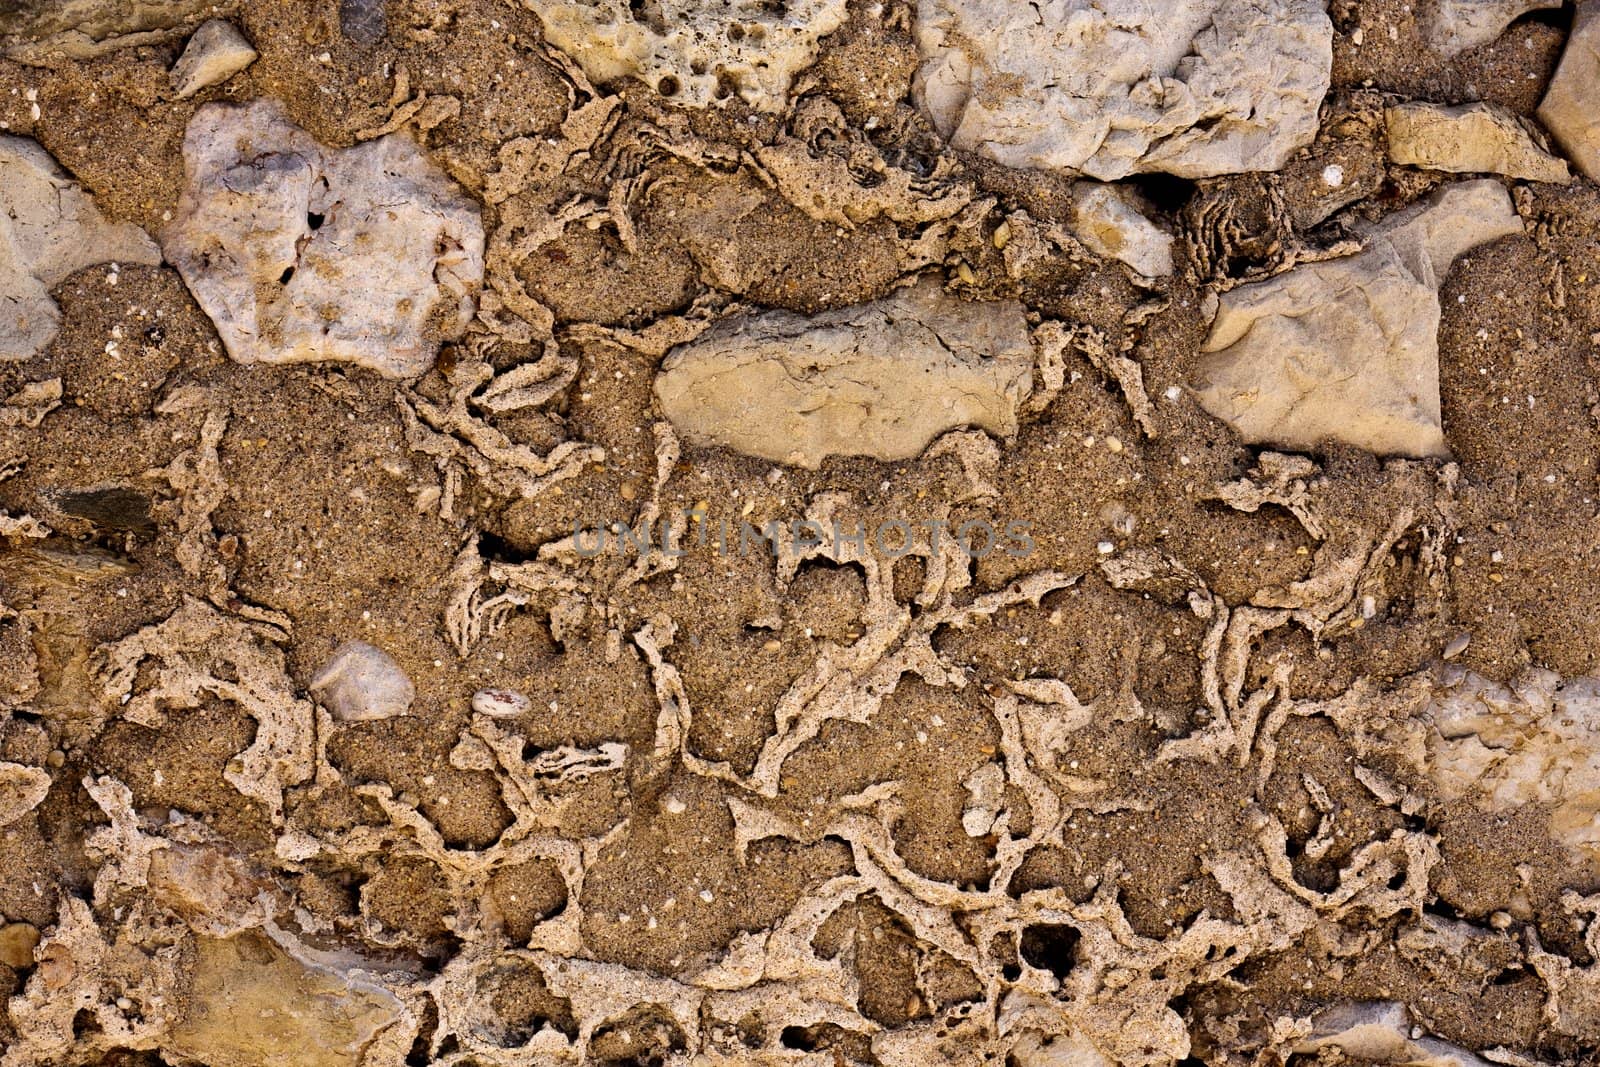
(1571, 106)
(368, 255)
(361, 683)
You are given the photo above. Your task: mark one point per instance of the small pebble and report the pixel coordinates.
(500, 703)
(17, 942)
(1457, 645)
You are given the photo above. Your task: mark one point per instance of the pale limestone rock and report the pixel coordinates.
(882, 379)
(1347, 349)
(695, 52)
(1571, 106)
(1535, 742)
(1452, 26)
(1110, 224)
(49, 228)
(1188, 87)
(367, 255)
(361, 683)
(215, 53)
(22, 788)
(254, 1002)
(1468, 139)
(1380, 1032)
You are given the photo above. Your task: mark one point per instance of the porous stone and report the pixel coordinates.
(215, 53)
(1347, 349)
(367, 255)
(1468, 139)
(1109, 223)
(1452, 26)
(49, 228)
(363, 682)
(1194, 88)
(1571, 106)
(252, 1002)
(694, 51)
(881, 380)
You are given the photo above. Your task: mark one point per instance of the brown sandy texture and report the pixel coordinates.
(1239, 743)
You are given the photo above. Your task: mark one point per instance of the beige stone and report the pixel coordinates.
(215, 53)
(368, 255)
(694, 51)
(253, 1002)
(1188, 87)
(49, 228)
(1109, 223)
(881, 380)
(1381, 1032)
(1571, 106)
(1468, 139)
(1452, 26)
(1347, 349)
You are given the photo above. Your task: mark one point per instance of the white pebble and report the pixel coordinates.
(1333, 175)
(500, 703)
(363, 682)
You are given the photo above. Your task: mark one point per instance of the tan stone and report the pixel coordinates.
(215, 53)
(22, 788)
(1188, 87)
(881, 380)
(252, 1002)
(1571, 106)
(17, 942)
(1347, 349)
(1468, 139)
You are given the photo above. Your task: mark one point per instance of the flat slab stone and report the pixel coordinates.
(1468, 139)
(880, 380)
(1194, 88)
(367, 255)
(1348, 349)
(1571, 106)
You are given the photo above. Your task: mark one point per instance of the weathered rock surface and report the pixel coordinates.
(1571, 106)
(1188, 87)
(1468, 139)
(367, 255)
(82, 29)
(363, 682)
(49, 228)
(882, 380)
(1348, 349)
(215, 53)
(252, 1002)
(694, 51)
(1106, 219)
(1453, 26)
(1535, 742)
